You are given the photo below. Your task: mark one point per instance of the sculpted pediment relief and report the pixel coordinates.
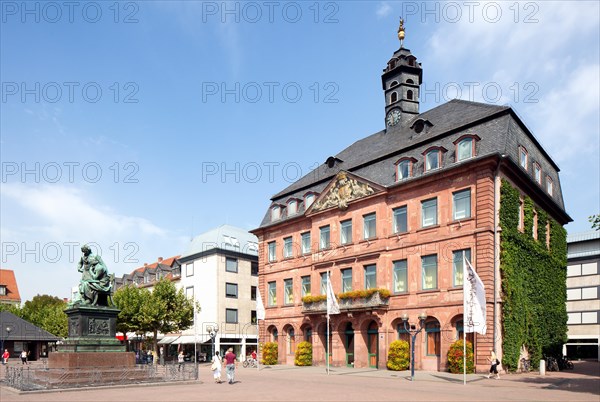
(343, 190)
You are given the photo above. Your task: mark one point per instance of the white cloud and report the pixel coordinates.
(383, 9)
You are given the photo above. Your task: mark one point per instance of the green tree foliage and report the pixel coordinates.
(270, 353)
(456, 358)
(303, 354)
(130, 299)
(595, 221)
(47, 312)
(533, 280)
(165, 309)
(398, 355)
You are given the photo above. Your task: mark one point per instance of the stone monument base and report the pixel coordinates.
(82, 360)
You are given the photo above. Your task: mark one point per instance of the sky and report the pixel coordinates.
(137, 125)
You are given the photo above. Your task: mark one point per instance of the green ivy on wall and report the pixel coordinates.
(534, 276)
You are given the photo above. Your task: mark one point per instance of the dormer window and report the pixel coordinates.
(2, 290)
(420, 124)
(404, 168)
(537, 173)
(308, 200)
(292, 207)
(433, 158)
(275, 213)
(523, 157)
(549, 186)
(465, 147)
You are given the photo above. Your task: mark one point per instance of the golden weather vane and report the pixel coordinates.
(401, 32)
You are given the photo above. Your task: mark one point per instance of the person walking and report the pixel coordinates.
(180, 360)
(231, 365)
(217, 362)
(493, 359)
(5, 356)
(24, 357)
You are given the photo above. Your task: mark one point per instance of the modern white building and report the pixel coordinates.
(220, 271)
(583, 291)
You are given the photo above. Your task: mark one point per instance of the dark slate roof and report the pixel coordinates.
(501, 132)
(22, 330)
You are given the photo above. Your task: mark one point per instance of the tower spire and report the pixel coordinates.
(401, 32)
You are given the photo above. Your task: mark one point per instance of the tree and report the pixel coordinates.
(165, 309)
(595, 221)
(47, 312)
(130, 299)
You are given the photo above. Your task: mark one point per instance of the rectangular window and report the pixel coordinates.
(231, 290)
(323, 283)
(253, 319)
(369, 222)
(370, 276)
(457, 266)
(231, 316)
(429, 212)
(523, 157)
(272, 293)
(324, 238)
(2, 290)
(306, 286)
(400, 276)
(292, 208)
(254, 268)
(189, 269)
(464, 149)
(429, 271)
(305, 243)
(461, 204)
(252, 292)
(537, 173)
(287, 247)
(521, 214)
(549, 185)
(288, 291)
(346, 280)
(189, 292)
(400, 220)
(432, 160)
(403, 170)
(231, 264)
(272, 251)
(346, 232)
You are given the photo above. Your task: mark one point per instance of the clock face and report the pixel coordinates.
(393, 117)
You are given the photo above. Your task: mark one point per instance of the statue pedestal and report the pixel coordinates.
(91, 340)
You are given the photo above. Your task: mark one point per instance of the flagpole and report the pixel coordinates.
(464, 352)
(327, 332)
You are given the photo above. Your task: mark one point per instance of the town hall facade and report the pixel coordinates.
(394, 215)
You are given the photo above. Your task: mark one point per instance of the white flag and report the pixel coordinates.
(260, 307)
(473, 300)
(332, 305)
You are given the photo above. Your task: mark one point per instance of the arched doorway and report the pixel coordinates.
(373, 344)
(349, 344)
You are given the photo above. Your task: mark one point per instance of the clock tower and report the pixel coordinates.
(401, 81)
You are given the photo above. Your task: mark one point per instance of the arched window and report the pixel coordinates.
(464, 149)
(409, 81)
(403, 170)
(393, 84)
(394, 97)
(432, 160)
(409, 94)
(274, 335)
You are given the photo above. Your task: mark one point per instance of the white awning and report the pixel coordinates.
(168, 339)
(186, 339)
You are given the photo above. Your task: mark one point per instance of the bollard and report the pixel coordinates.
(542, 367)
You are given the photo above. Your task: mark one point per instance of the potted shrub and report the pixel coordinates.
(398, 356)
(269, 353)
(455, 357)
(303, 354)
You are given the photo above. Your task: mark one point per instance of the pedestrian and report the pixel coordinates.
(231, 365)
(24, 357)
(217, 362)
(180, 360)
(5, 356)
(493, 359)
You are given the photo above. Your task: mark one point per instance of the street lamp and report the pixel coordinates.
(413, 331)
(212, 331)
(8, 329)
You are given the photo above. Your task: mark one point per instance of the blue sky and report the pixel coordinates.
(137, 125)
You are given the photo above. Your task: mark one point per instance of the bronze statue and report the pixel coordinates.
(95, 287)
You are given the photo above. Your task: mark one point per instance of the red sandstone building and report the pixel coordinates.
(397, 210)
